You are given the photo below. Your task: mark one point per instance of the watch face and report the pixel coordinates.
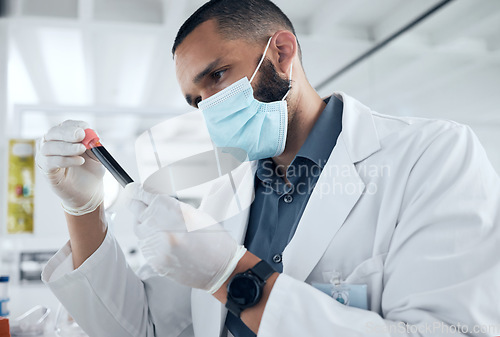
(244, 290)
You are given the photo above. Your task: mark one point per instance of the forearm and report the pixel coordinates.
(251, 316)
(87, 232)
(98, 295)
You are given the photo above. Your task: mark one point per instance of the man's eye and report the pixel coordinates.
(218, 75)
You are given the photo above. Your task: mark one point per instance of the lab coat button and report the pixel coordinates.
(288, 199)
(277, 258)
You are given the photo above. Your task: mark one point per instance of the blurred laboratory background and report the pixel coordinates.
(109, 62)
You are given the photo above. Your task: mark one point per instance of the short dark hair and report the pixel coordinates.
(254, 20)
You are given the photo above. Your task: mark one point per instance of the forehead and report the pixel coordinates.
(203, 46)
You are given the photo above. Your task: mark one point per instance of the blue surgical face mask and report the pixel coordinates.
(235, 119)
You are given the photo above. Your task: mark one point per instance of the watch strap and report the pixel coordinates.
(233, 307)
(262, 270)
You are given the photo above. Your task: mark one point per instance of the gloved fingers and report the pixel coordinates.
(144, 226)
(53, 155)
(196, 220)
(90, 155)
(159, 206)
(153, 221)
(54, 163)
(144, 231)
(158, 259)
(176, 216)
(68, 131)
(154, 246)
(135, 191)
(164, 213)
(58, 148)
(137, 207)
(135, 195)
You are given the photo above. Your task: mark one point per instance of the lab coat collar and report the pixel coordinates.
(358, 129)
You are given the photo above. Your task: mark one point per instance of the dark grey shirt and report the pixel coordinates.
(278, 206)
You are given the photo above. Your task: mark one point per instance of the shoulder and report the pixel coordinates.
(415, 135)
(365, 130)
(415, 127)
(430, 146)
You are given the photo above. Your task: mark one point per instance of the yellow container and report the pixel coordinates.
(21, 184)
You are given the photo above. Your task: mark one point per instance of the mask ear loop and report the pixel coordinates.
(289, 82)
(262, 59)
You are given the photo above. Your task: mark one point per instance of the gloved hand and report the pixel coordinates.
(74, 176)
(202, 259)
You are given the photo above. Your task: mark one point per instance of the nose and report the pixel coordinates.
(206, 93)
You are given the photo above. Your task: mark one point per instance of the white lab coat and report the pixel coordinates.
(408, 206)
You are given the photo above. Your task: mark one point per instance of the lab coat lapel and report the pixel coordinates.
(337, 191)
(230, 198)
(208, 313)
(244, 180)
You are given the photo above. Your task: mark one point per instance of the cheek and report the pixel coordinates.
(214, 88)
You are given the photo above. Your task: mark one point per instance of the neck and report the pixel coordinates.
(304, 109)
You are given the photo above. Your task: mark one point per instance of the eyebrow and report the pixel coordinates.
(197, 79)
(206, 71)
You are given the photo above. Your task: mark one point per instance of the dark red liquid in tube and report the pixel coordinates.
(91, 142)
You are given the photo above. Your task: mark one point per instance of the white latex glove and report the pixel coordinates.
(74, 176)
(201, 259)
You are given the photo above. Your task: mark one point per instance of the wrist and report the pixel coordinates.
(245, 290)
(228, 271)
(246, 262)
(251, 316)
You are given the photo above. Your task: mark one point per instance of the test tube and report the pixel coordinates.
(92, 143)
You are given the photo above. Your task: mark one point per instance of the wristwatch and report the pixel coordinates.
(245, 289)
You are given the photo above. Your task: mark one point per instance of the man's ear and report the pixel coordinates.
(284, 46)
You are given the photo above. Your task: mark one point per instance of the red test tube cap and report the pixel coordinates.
(91, 137)
(4, 327)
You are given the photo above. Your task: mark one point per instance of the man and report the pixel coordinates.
(344, 197)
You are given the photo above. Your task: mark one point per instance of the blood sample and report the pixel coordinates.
(91, 142)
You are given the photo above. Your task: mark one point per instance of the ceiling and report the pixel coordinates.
(114, 55)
